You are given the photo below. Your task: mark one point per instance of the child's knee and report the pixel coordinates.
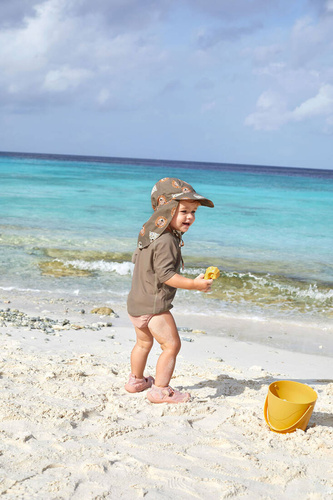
(173, 346)
(177, 347)
(145, 344)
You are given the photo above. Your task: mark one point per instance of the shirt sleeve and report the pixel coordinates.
(166, 257)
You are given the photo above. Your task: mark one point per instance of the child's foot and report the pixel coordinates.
(167, 395)
(135, 384)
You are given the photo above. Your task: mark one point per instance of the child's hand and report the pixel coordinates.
(201, 284)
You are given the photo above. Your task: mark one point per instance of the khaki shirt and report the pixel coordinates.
(154, 265)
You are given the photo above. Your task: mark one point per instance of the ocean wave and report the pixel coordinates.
(270, 292)
(121, 268)
(288, 286)
(297, 290)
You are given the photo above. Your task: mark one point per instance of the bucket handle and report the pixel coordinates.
(310, 407)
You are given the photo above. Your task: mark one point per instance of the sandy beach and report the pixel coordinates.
(69, 430)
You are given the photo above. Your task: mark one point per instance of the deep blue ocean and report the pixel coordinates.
(69, 226)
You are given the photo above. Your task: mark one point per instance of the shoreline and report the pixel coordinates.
(277, 333)
(199, 344)
(70, 430)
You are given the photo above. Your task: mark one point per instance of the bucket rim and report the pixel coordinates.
(293, 382)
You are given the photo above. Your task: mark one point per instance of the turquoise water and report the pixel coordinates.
(69, 225)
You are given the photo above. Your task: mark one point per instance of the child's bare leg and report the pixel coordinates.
(139, 355)
(164, 329)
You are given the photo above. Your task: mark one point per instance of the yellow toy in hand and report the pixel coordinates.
(212, 273)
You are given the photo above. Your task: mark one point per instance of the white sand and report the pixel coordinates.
(69, 430)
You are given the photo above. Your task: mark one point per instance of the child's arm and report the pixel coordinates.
(199, 283)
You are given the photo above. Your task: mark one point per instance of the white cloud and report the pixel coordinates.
(311, 40)
(271, 112)
(65, 78)
(319, 105)
(58, 50)
(294, 69)
(268, 100)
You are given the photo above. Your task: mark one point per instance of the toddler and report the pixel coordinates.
(157, 261)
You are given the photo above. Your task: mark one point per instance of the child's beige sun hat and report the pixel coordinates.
(165, 196)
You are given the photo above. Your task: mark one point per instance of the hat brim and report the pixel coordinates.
(194, 197)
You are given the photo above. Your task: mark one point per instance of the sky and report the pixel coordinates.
(241, 81)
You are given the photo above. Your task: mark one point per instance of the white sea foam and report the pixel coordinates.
(314, 293)
(193, 270)
(20, 289)
(121, 268)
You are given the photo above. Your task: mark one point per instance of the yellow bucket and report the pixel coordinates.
(289, 406)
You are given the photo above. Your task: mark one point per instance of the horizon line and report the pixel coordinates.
(158, 161)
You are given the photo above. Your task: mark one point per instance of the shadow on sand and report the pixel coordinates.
(225, 385)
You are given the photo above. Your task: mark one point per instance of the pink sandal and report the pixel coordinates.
(167, 395)
(135, 384)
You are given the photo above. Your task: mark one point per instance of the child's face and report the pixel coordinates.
(184, 216)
